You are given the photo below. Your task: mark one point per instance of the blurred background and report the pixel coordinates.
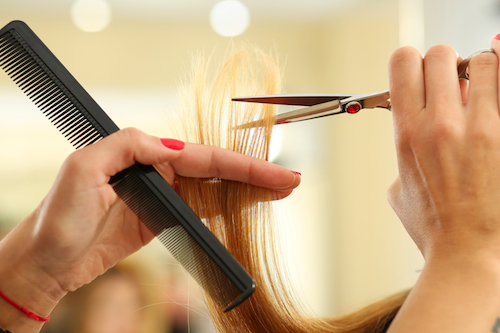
(344, 245)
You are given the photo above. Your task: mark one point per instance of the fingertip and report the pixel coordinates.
(278, 195)
(400, 59)
(495, 44)
(406, 82)
(403, 53)
(292, 182)
(297, 179)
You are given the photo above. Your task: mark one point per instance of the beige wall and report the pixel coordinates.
(362, 250)
(345, 244)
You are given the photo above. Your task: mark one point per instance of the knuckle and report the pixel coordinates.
(214, 166)
(74, 163)
(394, 196)
(482, 133)
(480, 138)
(131, 137)
(440, 131)
(131, 132)
(393, 189)
(443, 131)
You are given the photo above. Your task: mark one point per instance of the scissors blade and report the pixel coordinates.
(292, 99)
(310, 112)
(382, 101)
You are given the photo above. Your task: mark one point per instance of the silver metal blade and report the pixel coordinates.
(315, 111)
(378, 99)
(292, 99)
(311, 112)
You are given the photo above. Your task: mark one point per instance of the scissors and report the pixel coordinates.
(322, 105)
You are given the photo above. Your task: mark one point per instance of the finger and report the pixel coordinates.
(407, 92)
(406, 83)
(441, 81)
(202, 161)
(121, 150)
(278, 195)
(495, 46)
(483, 86)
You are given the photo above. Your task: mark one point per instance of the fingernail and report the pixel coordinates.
(497, 37)
(173, 144)
(296, 172)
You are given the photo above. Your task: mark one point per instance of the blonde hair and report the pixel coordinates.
(240, 215)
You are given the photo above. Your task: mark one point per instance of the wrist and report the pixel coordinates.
(24, 283)
(468, 265)
(456, 292)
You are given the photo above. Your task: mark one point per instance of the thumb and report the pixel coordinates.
(124, 148)
(495, 46)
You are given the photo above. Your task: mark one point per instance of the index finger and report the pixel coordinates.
(407, 91)
(406, 83)
(202, 161)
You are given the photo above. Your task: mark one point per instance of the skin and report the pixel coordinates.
(81, 228)
(448, 189)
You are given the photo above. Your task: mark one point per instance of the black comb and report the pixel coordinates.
(70, 108)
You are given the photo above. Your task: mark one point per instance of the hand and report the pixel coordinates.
(448, 145)
(448, 142)
(82, 228)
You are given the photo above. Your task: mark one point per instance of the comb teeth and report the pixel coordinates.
(26, 69)
(135, 192)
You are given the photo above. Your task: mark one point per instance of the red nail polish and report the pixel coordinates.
(497, 37)
(173, 144)
(297, 173)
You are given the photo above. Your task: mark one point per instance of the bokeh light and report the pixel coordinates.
(91, 15)
(229, 18)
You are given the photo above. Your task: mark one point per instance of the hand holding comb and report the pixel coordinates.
(34, 68)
